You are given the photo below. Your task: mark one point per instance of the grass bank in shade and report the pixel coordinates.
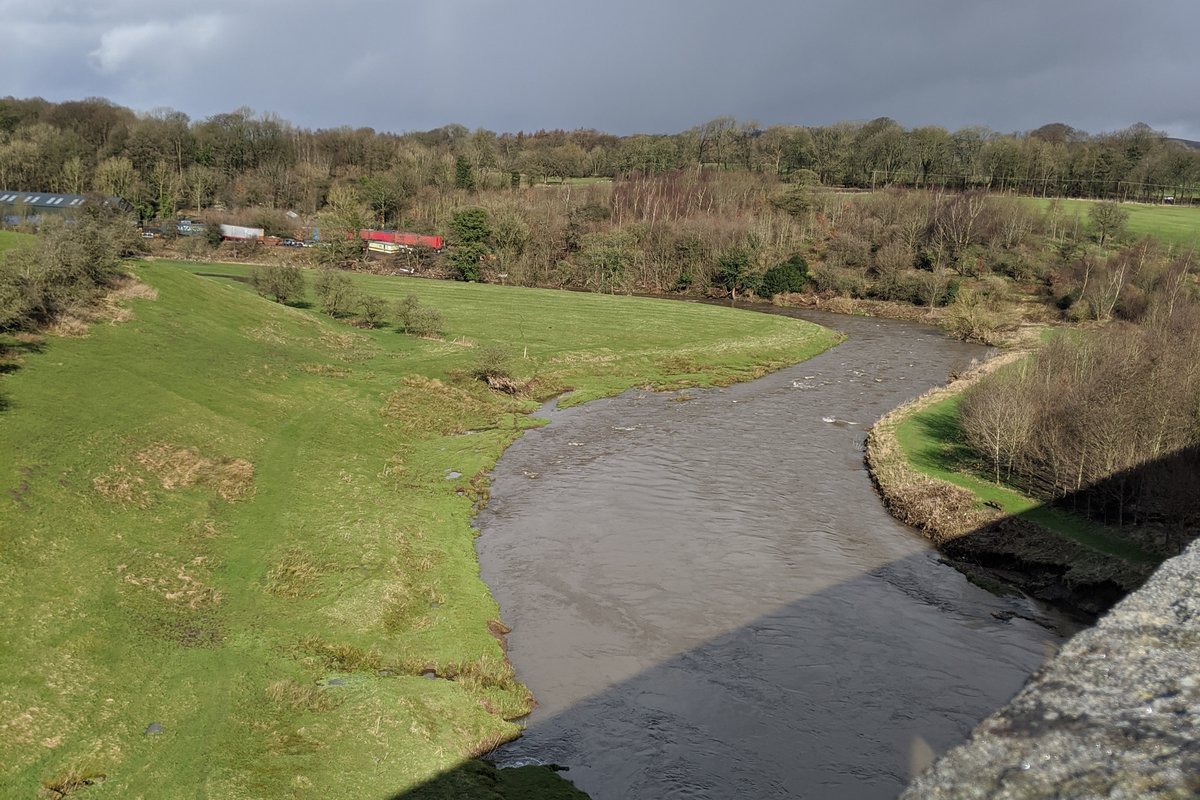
(236, 555)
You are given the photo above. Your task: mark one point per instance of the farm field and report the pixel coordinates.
(1178, 225)
(238, 560)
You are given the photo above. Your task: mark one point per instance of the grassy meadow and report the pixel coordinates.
(237, 556)
(1177, 225)
(11, 239)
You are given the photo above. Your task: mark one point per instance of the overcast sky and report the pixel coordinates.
(623, 66)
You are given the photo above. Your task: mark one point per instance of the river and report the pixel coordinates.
(709, 600)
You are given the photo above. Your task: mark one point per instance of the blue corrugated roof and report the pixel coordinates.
(50, 199)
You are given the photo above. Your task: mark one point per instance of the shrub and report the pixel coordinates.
(846, 282)
(683, 282)
(335, 291)
(794, 201)
(281, 283)
(788, 276)
(732, 271)
(465, 258)
(371, 310)
(493, 362)
(902, 287)
(975, 318)
(69, 266)
(419, 320)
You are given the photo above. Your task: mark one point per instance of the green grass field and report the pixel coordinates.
(1179, 225)
(237, 559)
(933, 443)
(9, 240)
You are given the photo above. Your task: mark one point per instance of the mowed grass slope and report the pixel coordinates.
(235, 560)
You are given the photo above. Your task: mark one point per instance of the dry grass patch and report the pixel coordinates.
(680, 363)
(268, 332)
(317, 653)
(426, 405)
(301, 697)
(21, 726)
(112, 308)
(179, 468)
(350, 346)
(295, 575)
(69, 326)
(326, 370)
(122, 487)
(69, 783)
(182, 585)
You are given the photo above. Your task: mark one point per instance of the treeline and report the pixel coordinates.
(164, 162)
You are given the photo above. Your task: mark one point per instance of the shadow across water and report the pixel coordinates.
(777, 709)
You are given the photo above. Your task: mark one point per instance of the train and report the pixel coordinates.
(402, 241)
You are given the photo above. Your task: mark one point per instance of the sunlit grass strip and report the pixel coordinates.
(1178, 225)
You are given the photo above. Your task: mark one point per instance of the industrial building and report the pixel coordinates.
(18, 208)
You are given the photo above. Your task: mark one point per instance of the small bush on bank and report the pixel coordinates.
(335, 292)
(371, 310)
(787, 276)
(417, 319)
(283, 284)
(69, 267)
(492, 363)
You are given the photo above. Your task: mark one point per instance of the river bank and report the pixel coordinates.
(238, 550)
(986, 542)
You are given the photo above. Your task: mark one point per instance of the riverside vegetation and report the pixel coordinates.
(1075, 466)
(238, 558)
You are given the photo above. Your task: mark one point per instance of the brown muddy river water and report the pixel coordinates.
(709, 600)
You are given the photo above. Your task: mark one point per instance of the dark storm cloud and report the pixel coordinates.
(620, 65)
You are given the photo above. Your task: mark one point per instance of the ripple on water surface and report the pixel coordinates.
(708, 599)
